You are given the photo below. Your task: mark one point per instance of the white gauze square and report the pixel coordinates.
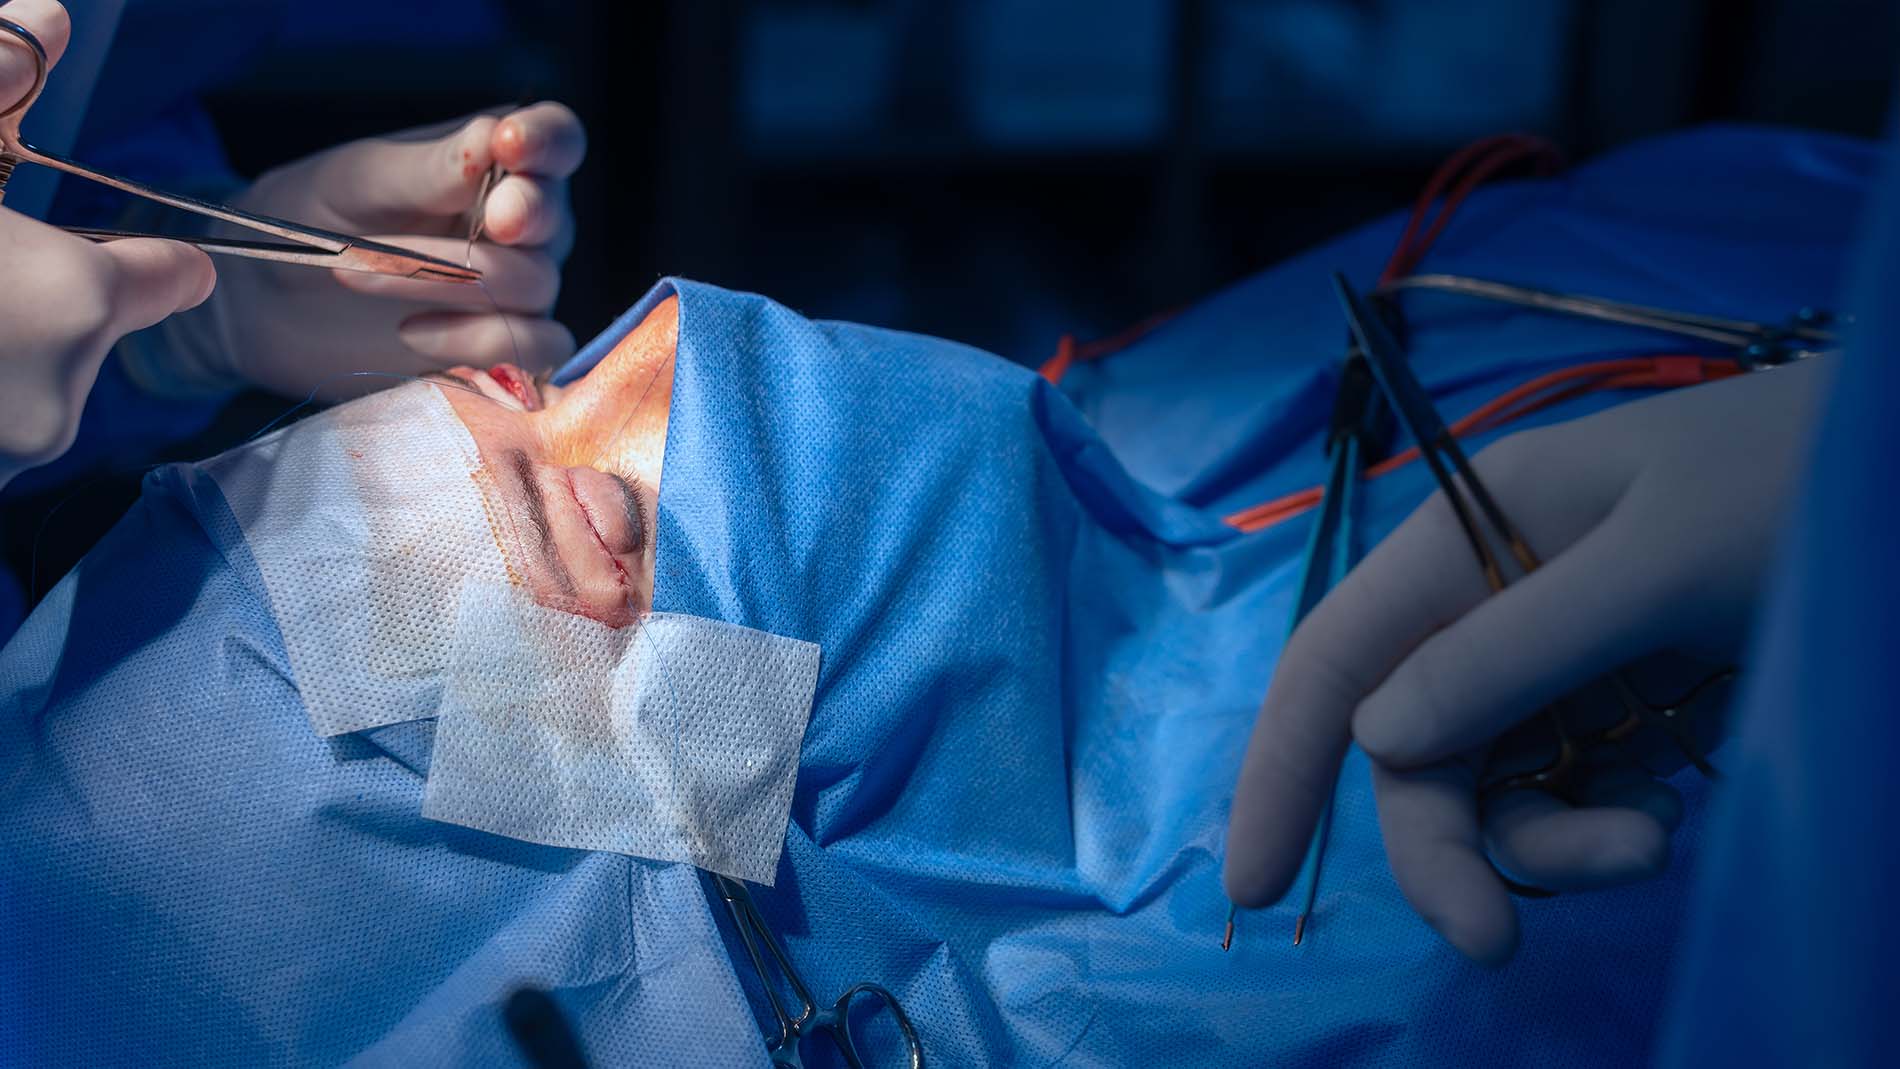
(675, 738)
(365, 521)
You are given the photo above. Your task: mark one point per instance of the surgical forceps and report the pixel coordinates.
(1756, 344)
(1560, 776)
(834, 1020)
(302, 245)
(1355, 440)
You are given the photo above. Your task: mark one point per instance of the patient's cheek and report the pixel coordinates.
(573, 550)
(615, 418)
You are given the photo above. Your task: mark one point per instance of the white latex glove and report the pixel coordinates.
(1656, 521)
(291, 329)
(64, 301)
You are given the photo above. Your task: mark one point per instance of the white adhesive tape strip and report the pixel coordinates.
(675, 739)
(365, 522)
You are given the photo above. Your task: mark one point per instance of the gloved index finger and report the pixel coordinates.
(1594, 606)
(436, 171)
(546, 140)
(1422, 576)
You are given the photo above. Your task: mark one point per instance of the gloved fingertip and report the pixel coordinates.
(1490, 948)
(545, 139)
(207, 282)
(1386, 738)
(1246, 890)
(1482, 930)
(155, 278)
(1640, 852)
(1248, 876)
(49, 21)
(511, 143)
(506, 214)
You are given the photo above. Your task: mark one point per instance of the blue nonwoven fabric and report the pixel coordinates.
(1221, 406)
(1042, 656)
(1790, 953)
(1040, 671)
(190, 876)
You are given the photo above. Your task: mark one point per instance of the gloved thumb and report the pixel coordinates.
(153, 278)
(48, 22)
(432, 170)
(1600, 604)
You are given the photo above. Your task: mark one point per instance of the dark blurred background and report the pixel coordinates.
(995, 171)
(1002, 171)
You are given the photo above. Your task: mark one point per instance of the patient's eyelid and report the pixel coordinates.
(637, 517)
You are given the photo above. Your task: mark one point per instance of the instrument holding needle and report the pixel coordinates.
(304, 245)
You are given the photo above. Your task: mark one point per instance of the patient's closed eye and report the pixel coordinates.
(637, 522)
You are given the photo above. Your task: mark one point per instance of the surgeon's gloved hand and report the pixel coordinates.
(64, 301)
(292, 329)
(1656, 521)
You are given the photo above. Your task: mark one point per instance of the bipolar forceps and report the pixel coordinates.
(1356, 440)
(1471, 502)
(300, 245)
(834, 1020)
(1809, 333)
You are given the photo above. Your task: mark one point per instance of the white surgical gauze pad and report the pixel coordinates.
(675, 738)
(365, 521)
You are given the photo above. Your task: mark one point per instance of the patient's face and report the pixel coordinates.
(573, 474)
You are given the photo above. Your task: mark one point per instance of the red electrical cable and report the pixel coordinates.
(1639, 373)
(1455, 180)
(1483, 159)
(1058, 365)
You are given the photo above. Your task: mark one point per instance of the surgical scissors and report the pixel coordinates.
(302, 245)
(1755, 343)
(1473, 500)
(833, 1020)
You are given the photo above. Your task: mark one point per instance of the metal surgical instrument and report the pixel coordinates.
(301, 245)
(1356, 439)
(1469, 502)
(834, 1020)
(1756, 343)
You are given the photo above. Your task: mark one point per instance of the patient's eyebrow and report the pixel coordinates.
(537, 504)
